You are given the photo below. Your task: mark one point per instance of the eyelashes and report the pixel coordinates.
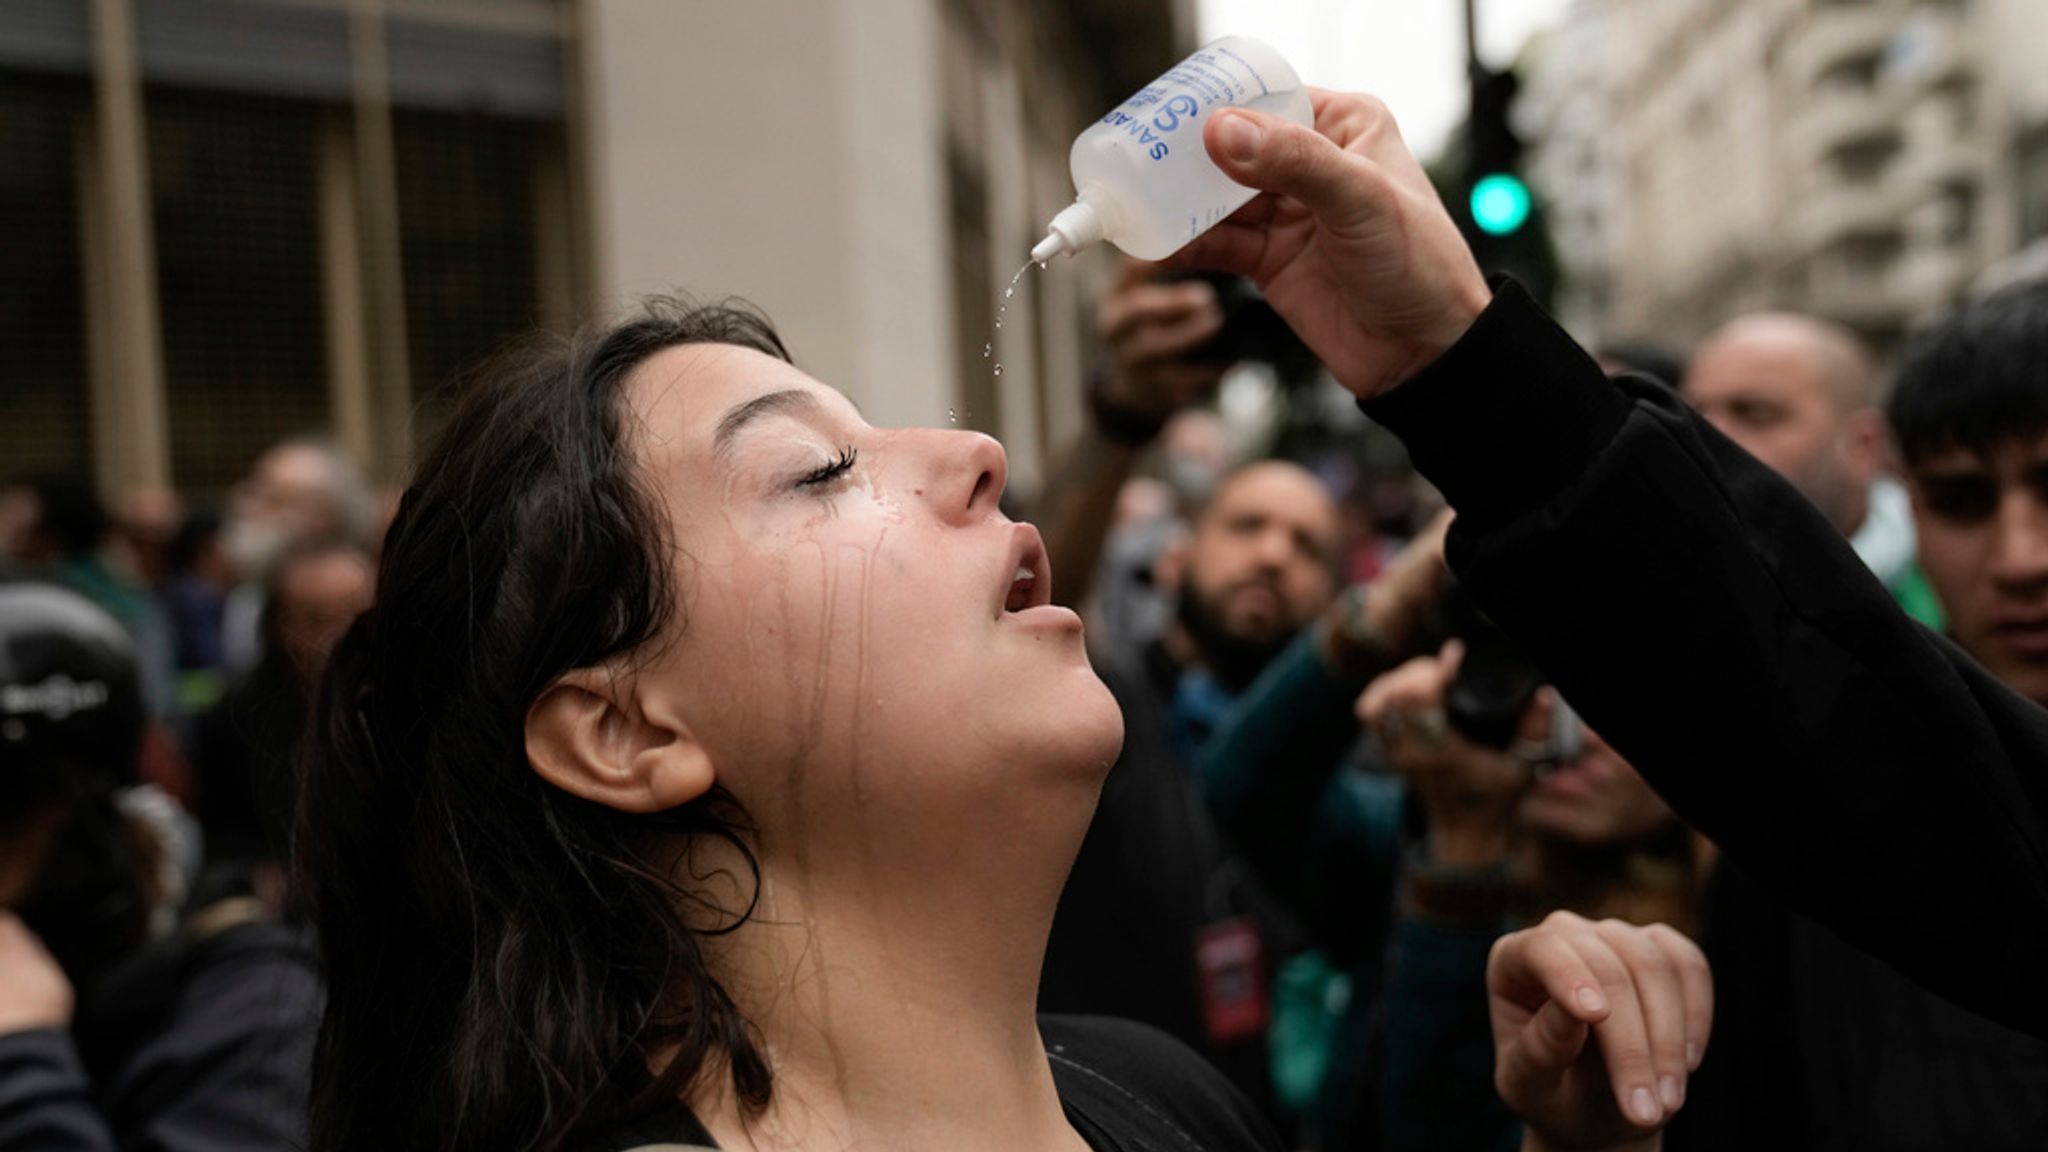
(840, 466)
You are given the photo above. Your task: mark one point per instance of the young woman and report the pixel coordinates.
(708, 769)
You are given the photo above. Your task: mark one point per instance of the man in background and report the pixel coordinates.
(1800, 394)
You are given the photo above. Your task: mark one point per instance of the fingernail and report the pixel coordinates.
(1644, 1107)
(1667, 1092)
(1240, 138)
(1692, 1057)
(1591, 1000)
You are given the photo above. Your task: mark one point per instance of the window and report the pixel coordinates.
(238, 276)
(2031, 161)
(43, 414)
(467, 240)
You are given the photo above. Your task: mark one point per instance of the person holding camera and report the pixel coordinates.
(1548, 818)
(1156, 336)
(1460, 744)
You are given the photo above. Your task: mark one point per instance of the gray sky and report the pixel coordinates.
(1410, 53)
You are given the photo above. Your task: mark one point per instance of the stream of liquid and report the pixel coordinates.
(988, 350)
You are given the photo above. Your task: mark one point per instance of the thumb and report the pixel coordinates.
(1276, 155)
(1448, 660)
(1530, 1067)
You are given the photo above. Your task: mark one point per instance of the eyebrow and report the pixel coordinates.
(788, 400)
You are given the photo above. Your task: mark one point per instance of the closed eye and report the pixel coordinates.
(840, 466)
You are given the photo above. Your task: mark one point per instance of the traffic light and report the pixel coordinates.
(1491, 198)
(1500, 203)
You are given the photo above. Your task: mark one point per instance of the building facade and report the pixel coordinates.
(229, 221)
(1866, 160)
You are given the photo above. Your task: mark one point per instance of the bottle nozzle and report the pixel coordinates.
(1077, 226)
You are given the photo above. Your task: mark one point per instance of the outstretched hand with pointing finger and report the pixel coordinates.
(1596, 1027)
(1349, 241)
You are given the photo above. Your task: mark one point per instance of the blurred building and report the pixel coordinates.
(227, 221)
(1866, 160)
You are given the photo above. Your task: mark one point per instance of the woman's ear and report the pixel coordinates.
(590, 735)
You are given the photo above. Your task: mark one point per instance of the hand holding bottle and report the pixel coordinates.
(1349, 241)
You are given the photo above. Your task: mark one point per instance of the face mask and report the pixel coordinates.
(1192, 480)
(253, 547)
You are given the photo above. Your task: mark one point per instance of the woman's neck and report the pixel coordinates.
(905, 1023)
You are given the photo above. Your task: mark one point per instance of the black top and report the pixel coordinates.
(1721, 634)
(1124, 1087)
(1833, 1051)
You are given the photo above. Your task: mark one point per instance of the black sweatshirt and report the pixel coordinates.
(1723, 636)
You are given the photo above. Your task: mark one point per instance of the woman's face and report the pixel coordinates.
(863, 643)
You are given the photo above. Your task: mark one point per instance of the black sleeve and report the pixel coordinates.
(232, 1070)
(1721, 634)
(45, 1099)
(1130, 1086)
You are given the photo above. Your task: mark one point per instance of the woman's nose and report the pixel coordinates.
(964, 473)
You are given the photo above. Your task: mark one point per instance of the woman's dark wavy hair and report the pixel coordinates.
(504, 960)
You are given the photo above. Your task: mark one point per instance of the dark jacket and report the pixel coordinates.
(204, 1045)
(1719, 632)
(1882, 800)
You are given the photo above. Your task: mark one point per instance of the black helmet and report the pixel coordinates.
(71, 715)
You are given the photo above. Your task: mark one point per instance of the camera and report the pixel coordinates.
(1251, 330)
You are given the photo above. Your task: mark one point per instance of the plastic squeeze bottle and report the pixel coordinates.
(1145, 181)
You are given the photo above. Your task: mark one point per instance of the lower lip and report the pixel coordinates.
(2030, 640)
(1046, 616)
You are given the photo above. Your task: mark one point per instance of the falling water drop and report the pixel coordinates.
(952, 416)
(1009, 293)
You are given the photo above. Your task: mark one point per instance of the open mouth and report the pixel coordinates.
(1030, 583)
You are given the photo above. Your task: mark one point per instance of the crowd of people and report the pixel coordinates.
(681, 759)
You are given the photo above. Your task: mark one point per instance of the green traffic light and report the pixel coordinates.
(1500, 204)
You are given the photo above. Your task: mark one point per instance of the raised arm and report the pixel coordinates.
(1715, 628)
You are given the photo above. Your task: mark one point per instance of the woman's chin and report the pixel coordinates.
(1095, 731)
